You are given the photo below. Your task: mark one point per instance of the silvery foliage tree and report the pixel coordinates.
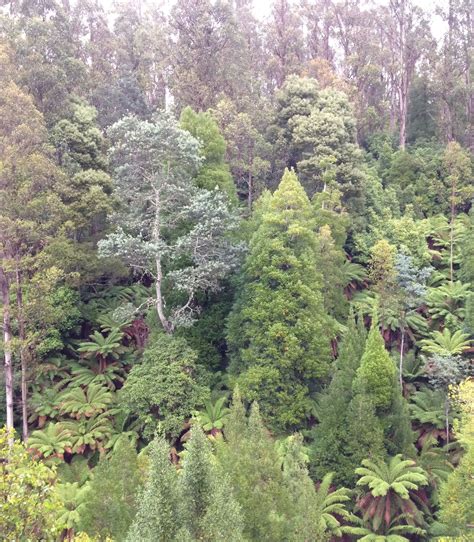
(412, 289)
(167, 228)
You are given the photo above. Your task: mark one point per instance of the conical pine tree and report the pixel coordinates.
(279, 334)
(158, 518)
(211, 512)
(332, 450)
(376, 373)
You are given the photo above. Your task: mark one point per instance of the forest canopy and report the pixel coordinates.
(236, 271)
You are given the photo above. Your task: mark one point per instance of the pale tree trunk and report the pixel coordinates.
(402, 348)
(23, 355)
(469, 87)
(159, 303)
(446, 411)
(7, 337)
(451, 230)
(403, 83)
(250, 182)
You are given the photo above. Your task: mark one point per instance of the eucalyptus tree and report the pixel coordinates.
(168, 228)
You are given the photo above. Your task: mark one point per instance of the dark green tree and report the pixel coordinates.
(279, 333)
(332, 450)
(164, 388)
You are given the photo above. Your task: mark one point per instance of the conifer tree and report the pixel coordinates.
(376, 372)
(209, 509)
(332, 449)
(157, 519)
(110, 504)
(197, 480)
(249, 457)
(279, 334)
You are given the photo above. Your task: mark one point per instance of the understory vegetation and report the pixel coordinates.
(236, 271)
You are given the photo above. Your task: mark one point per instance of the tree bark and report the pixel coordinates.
(402, 347)
(23, 355)
(160, 309)
(451, 229)
(4, 287)
(446, 410)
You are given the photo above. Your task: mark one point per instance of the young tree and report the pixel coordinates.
(279, 333)
(248, 456)
(168, 228)
(202, 489)
(110, 503)
(28, 503)
(376, 373)
(164, 389)
(159, 505)
(332, 448)
(214, 171)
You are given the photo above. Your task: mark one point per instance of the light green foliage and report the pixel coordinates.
(207, 495)
(196, 480)
(317, 509)
(446, 343)
(278, 332)
(80, 403)
(214, 415)
(390, 492)
(78, 140)
(375, 376)
(28, 502)
(88, 433)
(295, 100)
(457, 493)
(50, 442)
(164, 388)
(331, 505)
(72, 497)
(110, 501)
(328, 133)
(248, 456)
(214, 171)
(382, 273)
(197, 504)
(446, 304)
(159, 505)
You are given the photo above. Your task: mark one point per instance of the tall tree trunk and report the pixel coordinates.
(403, 82)
(159, 303)
(250, 183)
(402, 348)
(23, 355)
(451, 230)
(7, 337)
(446, 412)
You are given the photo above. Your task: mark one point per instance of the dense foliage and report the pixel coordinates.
(236, 271)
